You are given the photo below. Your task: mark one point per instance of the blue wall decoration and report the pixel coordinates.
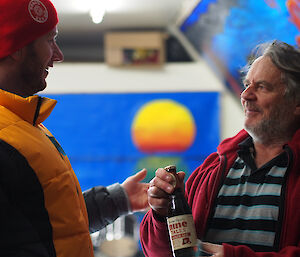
(226, 31)
(106, 136)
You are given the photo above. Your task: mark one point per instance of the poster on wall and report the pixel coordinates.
(226, 31)
(109, 137)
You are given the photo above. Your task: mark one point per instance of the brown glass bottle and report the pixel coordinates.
(180, 222)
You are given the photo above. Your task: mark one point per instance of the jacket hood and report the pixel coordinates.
(230, 145)
(33, 109)
(294, 144)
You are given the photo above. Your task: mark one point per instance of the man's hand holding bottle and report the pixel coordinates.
(165, 197)
(161, 186)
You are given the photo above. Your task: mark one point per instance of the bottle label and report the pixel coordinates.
(182, 231)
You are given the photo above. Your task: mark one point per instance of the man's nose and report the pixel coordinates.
(248, 92)
(58, 56)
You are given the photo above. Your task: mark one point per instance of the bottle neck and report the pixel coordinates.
(177, 191)
(178, 205)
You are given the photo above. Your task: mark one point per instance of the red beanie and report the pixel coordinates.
(23, 21)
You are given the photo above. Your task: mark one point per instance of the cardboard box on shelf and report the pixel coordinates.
(135, 49)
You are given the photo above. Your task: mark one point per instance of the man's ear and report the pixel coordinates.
(18, 55)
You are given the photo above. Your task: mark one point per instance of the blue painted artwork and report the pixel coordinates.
(226, 31)
(108, 137)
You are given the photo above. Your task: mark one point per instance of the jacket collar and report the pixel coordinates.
(232, 144)
(28, 108)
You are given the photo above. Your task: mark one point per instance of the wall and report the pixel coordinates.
(172, 77)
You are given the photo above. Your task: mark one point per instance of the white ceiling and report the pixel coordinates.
(74, 14)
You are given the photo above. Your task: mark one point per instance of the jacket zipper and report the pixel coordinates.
(37, 110)
(281, 230)
(212, 201)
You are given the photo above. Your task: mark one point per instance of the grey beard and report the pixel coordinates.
(280, 127)
(266, 132)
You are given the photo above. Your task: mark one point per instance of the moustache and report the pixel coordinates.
(251, 107)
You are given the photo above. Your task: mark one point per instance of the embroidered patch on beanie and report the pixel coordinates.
(23, 21)
(38, 11)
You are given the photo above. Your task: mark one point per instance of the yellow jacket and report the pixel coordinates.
(43, 211)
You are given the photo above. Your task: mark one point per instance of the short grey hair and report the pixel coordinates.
(287, 59)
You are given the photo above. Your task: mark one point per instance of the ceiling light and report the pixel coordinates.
(98, 10)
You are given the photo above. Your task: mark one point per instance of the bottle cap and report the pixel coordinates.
(172, 170)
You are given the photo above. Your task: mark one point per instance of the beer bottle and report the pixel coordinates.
(180, 222)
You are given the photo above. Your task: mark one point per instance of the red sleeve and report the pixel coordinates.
(244, 251)
(154, 236)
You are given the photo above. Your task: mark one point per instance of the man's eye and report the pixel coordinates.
(260, 86)
(52, 41)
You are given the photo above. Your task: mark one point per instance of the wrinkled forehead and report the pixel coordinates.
(263, 68)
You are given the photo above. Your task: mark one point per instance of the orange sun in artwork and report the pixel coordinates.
(163, 126)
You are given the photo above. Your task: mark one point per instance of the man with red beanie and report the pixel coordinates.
(43, 212)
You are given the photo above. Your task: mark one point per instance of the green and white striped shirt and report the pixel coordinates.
(248, 203)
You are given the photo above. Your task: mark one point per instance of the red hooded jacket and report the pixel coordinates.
(201, 190)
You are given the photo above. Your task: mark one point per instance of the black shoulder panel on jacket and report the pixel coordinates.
(24, 221)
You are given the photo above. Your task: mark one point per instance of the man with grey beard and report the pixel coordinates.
(244, 197)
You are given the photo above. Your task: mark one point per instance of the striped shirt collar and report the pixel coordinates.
(247, 154)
